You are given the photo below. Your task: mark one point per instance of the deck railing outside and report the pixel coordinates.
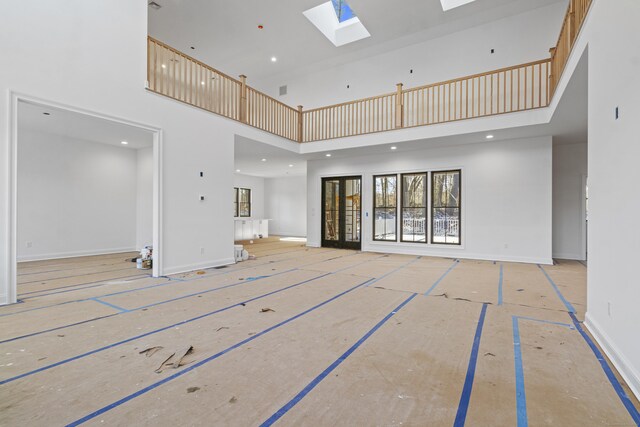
(507, 90)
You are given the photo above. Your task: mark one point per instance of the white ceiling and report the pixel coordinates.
(80, 126)
(225, 34)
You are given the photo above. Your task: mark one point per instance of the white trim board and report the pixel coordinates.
(619, 361)
(200, 266)
(74, 254)
(8, 284)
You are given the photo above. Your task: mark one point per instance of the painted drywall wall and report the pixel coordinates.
(506, 197)
(256, 184)
(569, 226)
(286, 205)
(74, 197)
(144, 197)
(89, 66)
(516, 40)
(614, 237)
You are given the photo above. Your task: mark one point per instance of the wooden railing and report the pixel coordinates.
(507, 90)
(573, 20)
(181, 77)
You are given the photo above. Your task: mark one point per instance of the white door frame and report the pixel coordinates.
(10, 282)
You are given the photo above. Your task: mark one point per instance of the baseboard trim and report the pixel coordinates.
(574, 257)
(286, 234)
(621, 363)
(198, 266)
(62, 255)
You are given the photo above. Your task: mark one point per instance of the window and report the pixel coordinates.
(244, 202)
(445, 207)
(385, 207)
(414, 208)
(241, 202)
(235, 202)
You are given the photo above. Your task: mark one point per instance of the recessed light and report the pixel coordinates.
(328, 155)
(124, 143)
(394, 148)
(47, 114)
(202, 83)
(290, 166)
(264, 160)
(489, 136)
(164, 66)
(237, 170)
(274, 59)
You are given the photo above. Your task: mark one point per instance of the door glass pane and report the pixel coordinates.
(352, 210)
(332, 209)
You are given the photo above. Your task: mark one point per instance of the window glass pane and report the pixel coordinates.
(414, 225)
(414, 210)
(384, 211)
(385, 224)
(244, 197)
(446, 207)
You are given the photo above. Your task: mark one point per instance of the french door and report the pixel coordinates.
(341, 212)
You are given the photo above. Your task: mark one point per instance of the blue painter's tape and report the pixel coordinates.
(455, 263)
(566, 303)
(162, 302)
(626, 401)
(293, 402)
(115, 307)
(392, 271)
(209, 359)
(463, 406)
(521, 399)
(155, 331)
(500, 281)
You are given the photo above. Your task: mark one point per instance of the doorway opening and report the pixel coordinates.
(83, 186)
(342, 212)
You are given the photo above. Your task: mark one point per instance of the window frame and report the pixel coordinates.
(427, 215)
(239, 203)
(236, 207)
(432, 206)
(373, 228)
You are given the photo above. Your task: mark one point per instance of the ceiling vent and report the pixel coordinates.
(283, 90)
(154, 5)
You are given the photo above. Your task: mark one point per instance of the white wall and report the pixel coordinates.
(569, 227)
(506, 197)
(93, 67)
(286, 205)
(614, 206)
(517, 39)
(74, 197)
(256, 184)
(144, 197)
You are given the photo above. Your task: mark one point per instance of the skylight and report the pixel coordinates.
(337, 22)
(343, 10)
(451, 4)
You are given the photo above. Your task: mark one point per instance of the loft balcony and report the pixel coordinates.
(507, 90)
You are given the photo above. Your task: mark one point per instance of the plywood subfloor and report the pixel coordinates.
(302, 336)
